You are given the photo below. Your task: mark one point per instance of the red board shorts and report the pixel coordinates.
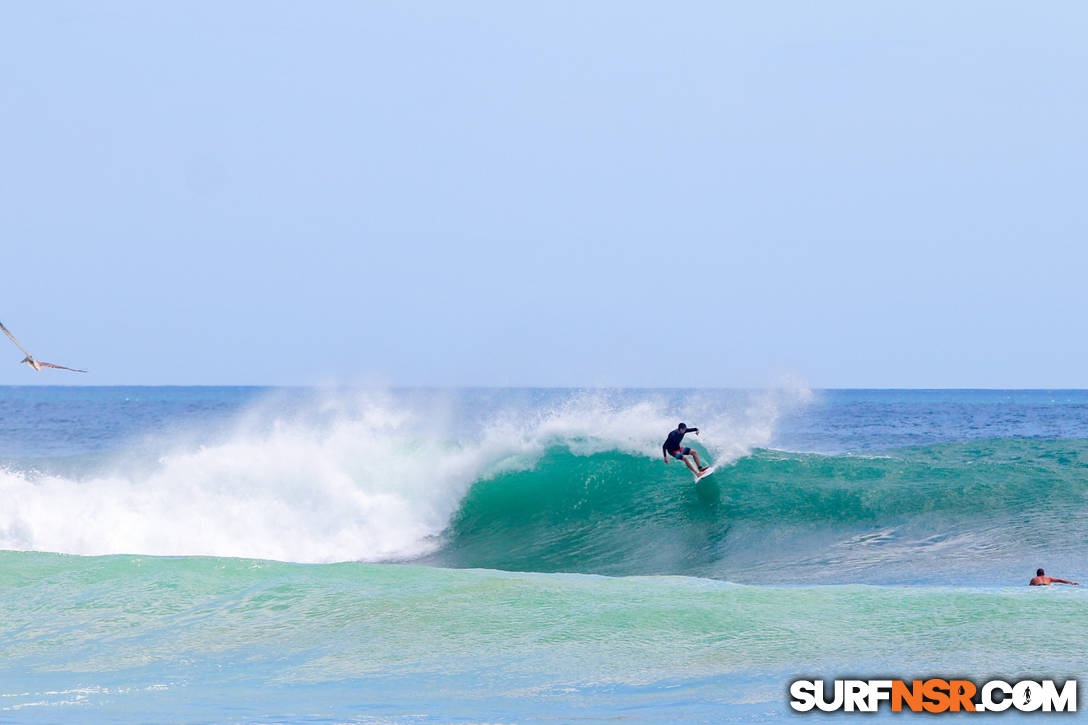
(679, 453)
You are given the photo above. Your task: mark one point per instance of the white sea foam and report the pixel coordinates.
(348, 477)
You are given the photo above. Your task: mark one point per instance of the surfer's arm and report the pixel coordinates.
(692, 430)
(665, 453)
(1063, 581)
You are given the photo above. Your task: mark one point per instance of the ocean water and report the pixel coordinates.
(517, 555)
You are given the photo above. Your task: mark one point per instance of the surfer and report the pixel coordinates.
(673, 447)
(1042, 580)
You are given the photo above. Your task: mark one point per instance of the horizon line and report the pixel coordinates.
(540, 387)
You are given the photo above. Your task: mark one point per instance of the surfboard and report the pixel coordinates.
(704, 474)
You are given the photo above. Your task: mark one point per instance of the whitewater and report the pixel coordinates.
(359, 555)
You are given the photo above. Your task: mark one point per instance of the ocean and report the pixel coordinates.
(216, 554)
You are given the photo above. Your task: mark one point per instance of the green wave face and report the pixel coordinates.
(980, 510)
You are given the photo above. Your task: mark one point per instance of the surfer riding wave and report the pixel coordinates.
(673, 446)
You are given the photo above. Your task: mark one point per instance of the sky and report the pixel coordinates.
(613, 193)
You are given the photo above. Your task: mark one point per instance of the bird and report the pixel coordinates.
(31, 360)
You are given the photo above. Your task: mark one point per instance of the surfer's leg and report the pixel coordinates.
(689, 464)
(697, 461)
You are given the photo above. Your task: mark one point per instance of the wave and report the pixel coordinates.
(781, 515)
(351, 621)
(576, 485)
(369, 477)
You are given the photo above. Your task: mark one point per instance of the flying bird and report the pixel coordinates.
(30, 359)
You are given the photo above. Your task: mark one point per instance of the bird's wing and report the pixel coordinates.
(59, 367)
(8, 333)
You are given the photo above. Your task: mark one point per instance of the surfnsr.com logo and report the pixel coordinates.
(933, 695)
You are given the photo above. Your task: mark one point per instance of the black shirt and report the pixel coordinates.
(672, 443)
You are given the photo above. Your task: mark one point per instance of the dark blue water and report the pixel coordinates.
(45, 421)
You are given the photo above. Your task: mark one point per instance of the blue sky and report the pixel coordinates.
(851, 194)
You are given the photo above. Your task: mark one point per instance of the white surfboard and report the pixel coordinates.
(704, 474)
